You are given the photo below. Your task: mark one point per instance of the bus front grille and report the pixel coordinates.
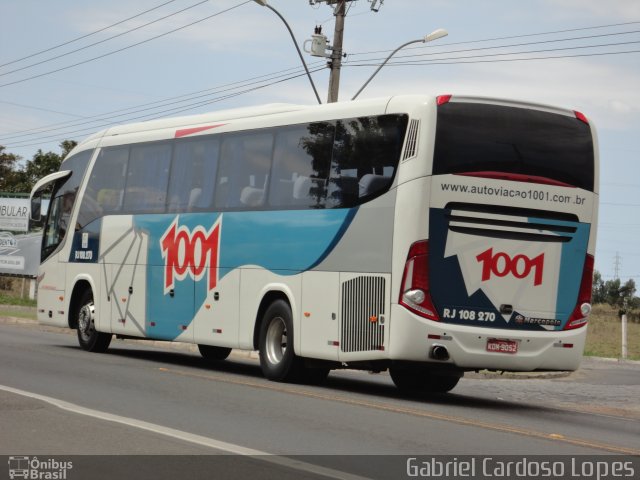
(363, 314)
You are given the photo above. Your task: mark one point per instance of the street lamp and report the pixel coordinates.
(436, 34)
(265, 4)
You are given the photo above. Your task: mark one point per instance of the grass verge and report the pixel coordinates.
(604, 336)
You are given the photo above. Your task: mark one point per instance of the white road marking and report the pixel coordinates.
(186, 436)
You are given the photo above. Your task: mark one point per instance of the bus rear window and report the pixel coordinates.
(475, 137)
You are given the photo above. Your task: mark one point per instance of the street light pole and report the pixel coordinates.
(265, 4)
(436, 34)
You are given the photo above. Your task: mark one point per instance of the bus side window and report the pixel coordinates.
(245, 163)
(147, 178)
(193, 175)
(301, 159)
(366, 155)
(103, 194)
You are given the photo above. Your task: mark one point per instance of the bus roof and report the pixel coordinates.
(327, 110)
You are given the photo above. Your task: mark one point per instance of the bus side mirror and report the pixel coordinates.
(36, 207)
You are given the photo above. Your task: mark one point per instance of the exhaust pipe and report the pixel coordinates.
(439, 352)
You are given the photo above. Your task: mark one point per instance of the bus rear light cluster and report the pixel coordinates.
(581, 116)
(580, 315)
(414, 293)
(442, 99)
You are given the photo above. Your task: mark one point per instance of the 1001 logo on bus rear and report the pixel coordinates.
(192, 253)
(502, 264)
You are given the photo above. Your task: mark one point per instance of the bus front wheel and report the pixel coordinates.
(88, 337)
(277, 358)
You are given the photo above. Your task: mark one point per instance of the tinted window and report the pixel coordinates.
(193, 174)
(62, 200)
(477, 137)
(147, 177)
(365, 157)
(301, 160)
(245, 163)
(105, 188)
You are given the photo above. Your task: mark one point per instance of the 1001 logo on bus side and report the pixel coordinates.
(191, 253)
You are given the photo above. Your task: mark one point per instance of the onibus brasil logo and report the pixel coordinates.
(190, 253)
(38, 469)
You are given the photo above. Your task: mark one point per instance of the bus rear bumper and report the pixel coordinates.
(413, 339)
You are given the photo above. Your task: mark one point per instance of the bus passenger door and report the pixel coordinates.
(123, 257)
(319, 322)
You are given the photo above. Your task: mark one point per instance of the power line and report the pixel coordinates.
(163, 113)
(104, 40)
(125, 48)
(511, 37)
(85, 36)
(18, 134)
(151, 105)
(42, 109)
(181, 109)
(267, 77)
(588, 37)
(453, 61)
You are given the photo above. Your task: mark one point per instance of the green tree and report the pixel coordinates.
(618, 295)
(8, 163)
(598, 293)
(41, 165)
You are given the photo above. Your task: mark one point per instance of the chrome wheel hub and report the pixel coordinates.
(276, 340)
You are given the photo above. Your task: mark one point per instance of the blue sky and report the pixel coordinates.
(217, 58)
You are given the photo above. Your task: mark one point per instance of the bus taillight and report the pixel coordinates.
(442, 99)
(581, 116)
(415, 293)
(580, 315)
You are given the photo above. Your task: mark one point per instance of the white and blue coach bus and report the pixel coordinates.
(425, 235)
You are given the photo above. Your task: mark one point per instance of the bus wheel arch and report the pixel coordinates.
(79, 290)
(278, 360)
(82, 318)
(269, 298)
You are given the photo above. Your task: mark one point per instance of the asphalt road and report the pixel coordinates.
(56, 399)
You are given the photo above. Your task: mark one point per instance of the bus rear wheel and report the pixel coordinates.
(277, 358)
(214, 354)
(420, 380)
(88, 337)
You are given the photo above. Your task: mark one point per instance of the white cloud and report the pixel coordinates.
(623, 10)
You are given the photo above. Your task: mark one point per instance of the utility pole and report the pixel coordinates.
(336, 57)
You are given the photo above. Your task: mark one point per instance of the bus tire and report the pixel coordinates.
(214, 354)
(88, 337)
(277, 358)
(421, 380)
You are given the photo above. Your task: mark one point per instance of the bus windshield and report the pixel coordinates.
(475, 137)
